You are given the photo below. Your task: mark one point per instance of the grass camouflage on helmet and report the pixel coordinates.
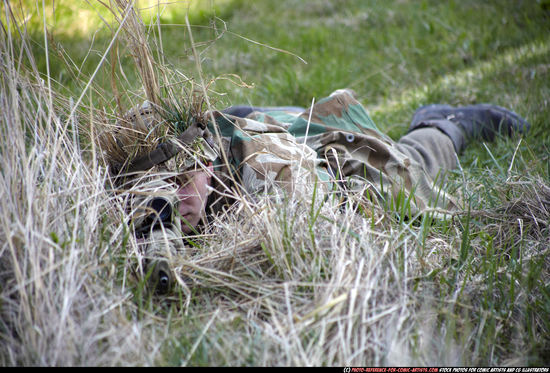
(194, 143)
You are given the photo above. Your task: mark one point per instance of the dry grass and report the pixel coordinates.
(275, 281)
(60, 239)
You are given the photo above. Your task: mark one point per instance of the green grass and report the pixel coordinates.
(295, 283)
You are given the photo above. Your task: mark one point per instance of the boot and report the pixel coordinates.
(470, 123)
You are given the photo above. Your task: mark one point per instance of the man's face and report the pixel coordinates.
(192, 196)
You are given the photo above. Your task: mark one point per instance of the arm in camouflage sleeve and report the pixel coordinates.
(355, 153)
(263, 156)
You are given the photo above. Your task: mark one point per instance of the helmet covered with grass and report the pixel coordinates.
(156, 136)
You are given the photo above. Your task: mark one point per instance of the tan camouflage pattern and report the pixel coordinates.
(342, 146)
(141, 190)
(268, 159)
(163, 244)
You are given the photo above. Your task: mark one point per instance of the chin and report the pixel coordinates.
(185, 227)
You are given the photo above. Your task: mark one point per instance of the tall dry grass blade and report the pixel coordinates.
(60, 303)
(136, 41)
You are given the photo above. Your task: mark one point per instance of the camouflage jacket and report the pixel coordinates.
(334, 142)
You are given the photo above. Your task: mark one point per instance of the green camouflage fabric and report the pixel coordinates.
(336, 143)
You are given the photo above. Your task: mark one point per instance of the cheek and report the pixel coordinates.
(189, 196)
(195, 193)
(202, 181)
(193, 198)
